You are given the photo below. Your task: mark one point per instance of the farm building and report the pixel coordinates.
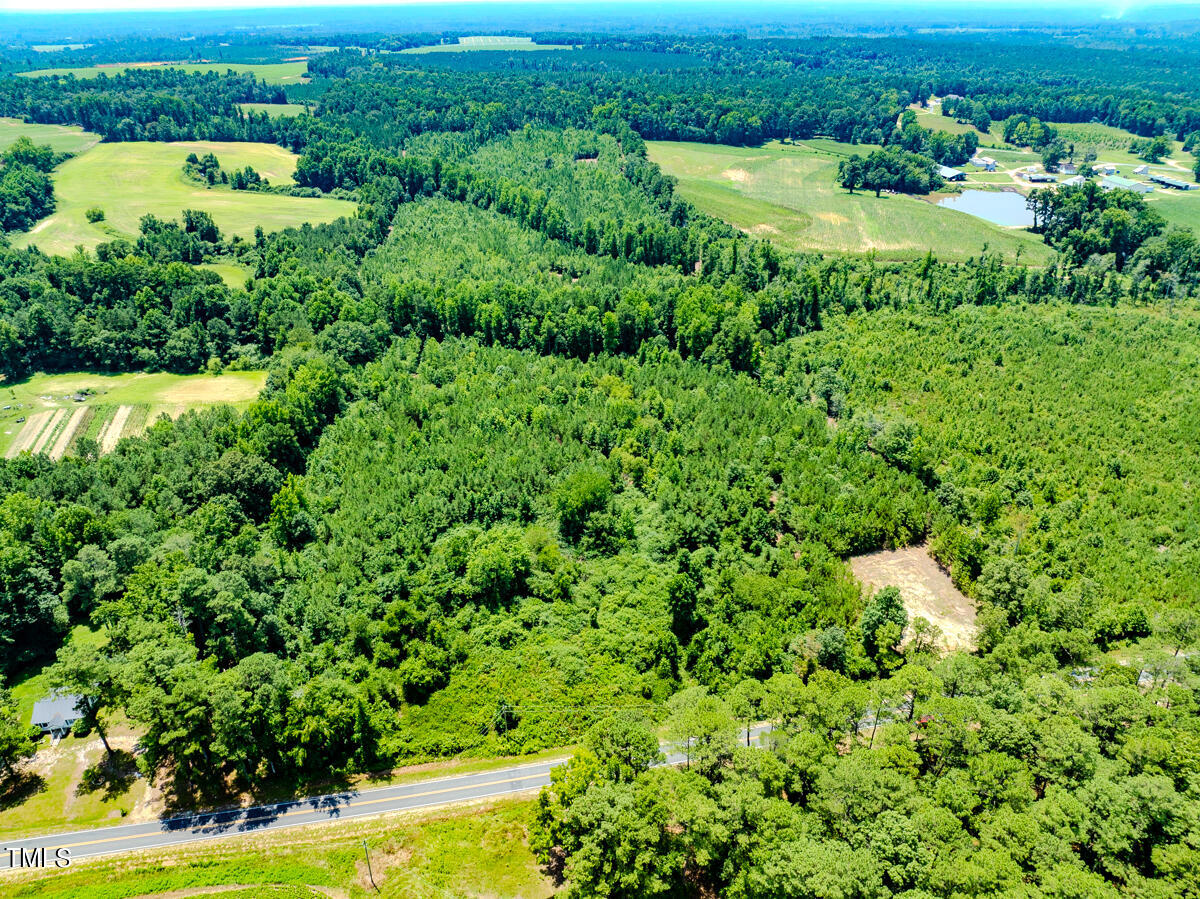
(1116, 182)
(1040, 178)
(1105, 169)
(1173, 183)
(1067, 168)
(56, 713)
(1141, 169)
(950, 174)
(1074, 182)
(984, 162)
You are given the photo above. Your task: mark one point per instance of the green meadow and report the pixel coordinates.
(60, 138)
(274, 110)
(129, 180)
(788, 194)
(271, 73)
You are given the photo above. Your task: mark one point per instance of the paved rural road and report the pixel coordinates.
(333, 807)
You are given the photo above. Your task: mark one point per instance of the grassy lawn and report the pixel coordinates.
(129, 180)
(931, 117)
(487, 42)
(477, 851)
(274, 110)
(788, 194)
(61, 138)
(157, 393)
(271, 73)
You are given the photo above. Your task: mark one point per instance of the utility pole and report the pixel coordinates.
(370, 873)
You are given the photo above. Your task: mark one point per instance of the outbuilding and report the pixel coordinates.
(1116, 182)
(1173, 183)
(949, 174)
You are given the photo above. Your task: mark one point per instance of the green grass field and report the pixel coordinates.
(271, 73)
(145, 395)
(788, 194)
(60, 138)
(274, 110)
(931, 117)
(129, 180)
(454, 852)
(487, 42)
(231, 273)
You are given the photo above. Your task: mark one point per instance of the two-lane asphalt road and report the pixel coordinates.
(332, 807)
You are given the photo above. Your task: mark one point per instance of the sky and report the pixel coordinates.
(42, 6)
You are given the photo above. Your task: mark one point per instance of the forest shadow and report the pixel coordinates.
(113, 775)
(18, 787)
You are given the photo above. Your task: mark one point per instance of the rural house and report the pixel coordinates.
(55, 714)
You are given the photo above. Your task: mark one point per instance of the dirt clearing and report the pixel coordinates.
(64, 439)
(925, 588)
(111, 432)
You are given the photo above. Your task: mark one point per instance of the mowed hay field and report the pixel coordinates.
(486, 42)
(60, 138)
(114, 406)
(788, 194)
(271, 73)
(129, 180)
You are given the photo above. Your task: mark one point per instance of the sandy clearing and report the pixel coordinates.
(44, 437)
(68, 433)
(925, 588)
(111, 432)
(33, 427)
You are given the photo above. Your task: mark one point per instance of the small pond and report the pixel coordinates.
(1001, 207)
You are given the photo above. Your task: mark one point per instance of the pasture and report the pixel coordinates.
(487, 42)
(272, 73)
(788, 194)
(129, 180)
(931, 117)
(113, 406)
(60, 138)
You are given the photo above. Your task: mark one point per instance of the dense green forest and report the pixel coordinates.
(548, 457)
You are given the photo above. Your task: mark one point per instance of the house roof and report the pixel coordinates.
(56, 709)
(946, 172)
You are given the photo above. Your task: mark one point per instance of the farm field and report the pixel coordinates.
(60, 138)
(788, 194)
(931, 117)
(129, 180)
(487, 42)
(117, 406)
(271, 73)
(274, 110)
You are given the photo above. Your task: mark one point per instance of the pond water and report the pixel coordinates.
(1001, 207)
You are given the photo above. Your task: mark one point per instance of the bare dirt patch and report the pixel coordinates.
(741, 176)
(764, 228)
(832, 218)
(925, 588)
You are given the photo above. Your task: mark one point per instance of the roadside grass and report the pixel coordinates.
(130, 180)
(60, 138)
(481, 850)
(153, 392)
(271, 73)
(787, 193)
(274, 110)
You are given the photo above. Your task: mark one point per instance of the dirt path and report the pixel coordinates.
(44, 437)
(29, 433)
(68, 433)
(111, 432)
(925, 588)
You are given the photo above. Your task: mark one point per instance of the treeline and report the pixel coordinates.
(26, 188)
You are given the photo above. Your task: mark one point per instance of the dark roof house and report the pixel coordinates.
(56, 713)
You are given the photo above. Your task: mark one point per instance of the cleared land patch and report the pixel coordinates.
(792, 189)
(110, 406)
(275, 110)
(129, 180)
(271, 73)
(60, 138)
(926, 589)
(487, 42)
